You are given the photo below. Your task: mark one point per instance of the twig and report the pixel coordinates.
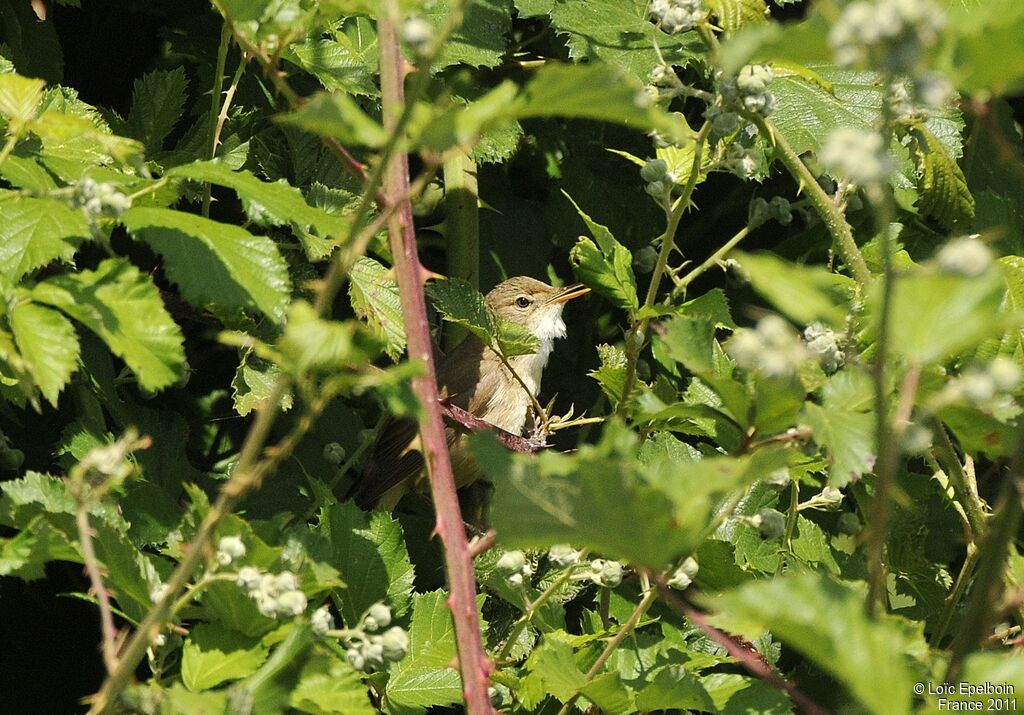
(92, 568)
(472, 423)
(712, 261)
(743, 652)
(222, 118)
(473, 663)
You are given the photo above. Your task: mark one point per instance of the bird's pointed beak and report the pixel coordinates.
(568, 293)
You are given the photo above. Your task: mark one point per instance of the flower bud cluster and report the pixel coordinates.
(605, 573)
(744, 162)
(892, 33)
(514, 567)
(828, 499)
(321, 621)
(418, 34)
(770, 522)
(857, 155)
(682, 577)
(723, 122)
(101, 198)
(334, 453)
(659, 179)
(563, 556)
(749, 88)
(229, 549)
(772, 348)
(369, 651)
(985, 386)
(965, 256)
(824, 344)
(777, 209)
(678, 15)
(276, 595)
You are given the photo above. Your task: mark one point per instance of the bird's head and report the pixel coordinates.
(534, 304)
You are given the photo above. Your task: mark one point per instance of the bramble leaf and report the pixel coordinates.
(606, 266)
(125, 310)
(215, 263)
(47, 343)
(34, 232)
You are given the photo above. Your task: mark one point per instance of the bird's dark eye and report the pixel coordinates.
(523, 302)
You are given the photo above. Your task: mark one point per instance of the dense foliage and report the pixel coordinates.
(798, 481)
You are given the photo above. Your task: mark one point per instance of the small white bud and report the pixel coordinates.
(321, 621)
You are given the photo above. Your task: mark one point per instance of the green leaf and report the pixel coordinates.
(328, 686)
(213, 655)
(691, 341)
(1012, 343)
(376, 299)
(824, 620)
(808, 110)
(370, 549)
(425, 678)
(611, 375)
(553, 663)
(848, 438)
(48, 345)
(311, 343)
(346, 62)
(275, 203)
(480, 39)
(943, 188)
(937, 315)
(620, 33)
(125, 310)
(672, 688)
(34, 232)
(25, 172)
(20, 97)
(158, 98)
(459, 302)
(603, 498)
(254, 382)
(803, 293)
(339, 116)
(596, 91)
(606, 266)
(734, 694)
(989, 57)
(735, 14)
(215, 263)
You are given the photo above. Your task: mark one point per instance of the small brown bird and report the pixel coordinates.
(472, 377)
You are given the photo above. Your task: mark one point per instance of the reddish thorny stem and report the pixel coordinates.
(473, 662)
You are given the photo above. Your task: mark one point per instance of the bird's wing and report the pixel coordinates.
(392, 461)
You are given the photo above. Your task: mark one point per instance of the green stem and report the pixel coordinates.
(462, 221)
(614, 643)
(964, 489)
(834, 221)
(981, 611)
(635, 337)
(218, 82)
(12, 141)
(713, 261)
(954, 596)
